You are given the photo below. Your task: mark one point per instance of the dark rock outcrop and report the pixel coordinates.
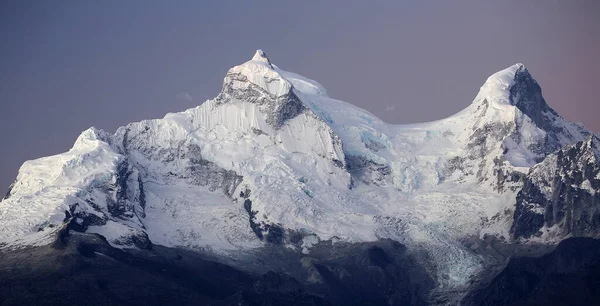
(562, 191)
(8, 192)
(368, 171)
(279, 109)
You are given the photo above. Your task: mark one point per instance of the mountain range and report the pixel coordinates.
(274, 176)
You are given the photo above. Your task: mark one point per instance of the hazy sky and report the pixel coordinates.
(68, 65)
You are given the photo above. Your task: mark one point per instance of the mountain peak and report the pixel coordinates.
(258, 81)
(90, 137)
(506, 75)
(258, 72)
(516, 87)
(497, 87)
(261, 56)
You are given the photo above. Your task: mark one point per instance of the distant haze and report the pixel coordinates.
(68, 65)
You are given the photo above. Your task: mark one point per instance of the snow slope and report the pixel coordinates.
(273, 159)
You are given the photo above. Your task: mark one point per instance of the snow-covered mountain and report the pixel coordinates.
(274, 160)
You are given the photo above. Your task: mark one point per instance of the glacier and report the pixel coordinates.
(274, 160)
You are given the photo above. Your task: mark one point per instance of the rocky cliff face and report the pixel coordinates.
(560, 196)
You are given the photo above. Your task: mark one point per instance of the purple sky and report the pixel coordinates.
(68, 65)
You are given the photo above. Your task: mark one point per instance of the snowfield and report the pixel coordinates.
(273, 156)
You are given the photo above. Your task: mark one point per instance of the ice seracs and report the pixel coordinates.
(274, 160)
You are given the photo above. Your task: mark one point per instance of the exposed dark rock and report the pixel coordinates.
(80, 221)
(571, 178)
(258, 131)
(198, 171)
(374, 145)
(338, 163)
(9, 191)
(290, 107)
(205, 173)
(528, 219)
(279, 109)
(456, 163)
(275, 234)
(295, 237)
(490, 132)
(252, 219)
(245, 193)
(506, 179)
(141, 241)
(141, 198)
(121, 206)
(526, 95)
(368, 171)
